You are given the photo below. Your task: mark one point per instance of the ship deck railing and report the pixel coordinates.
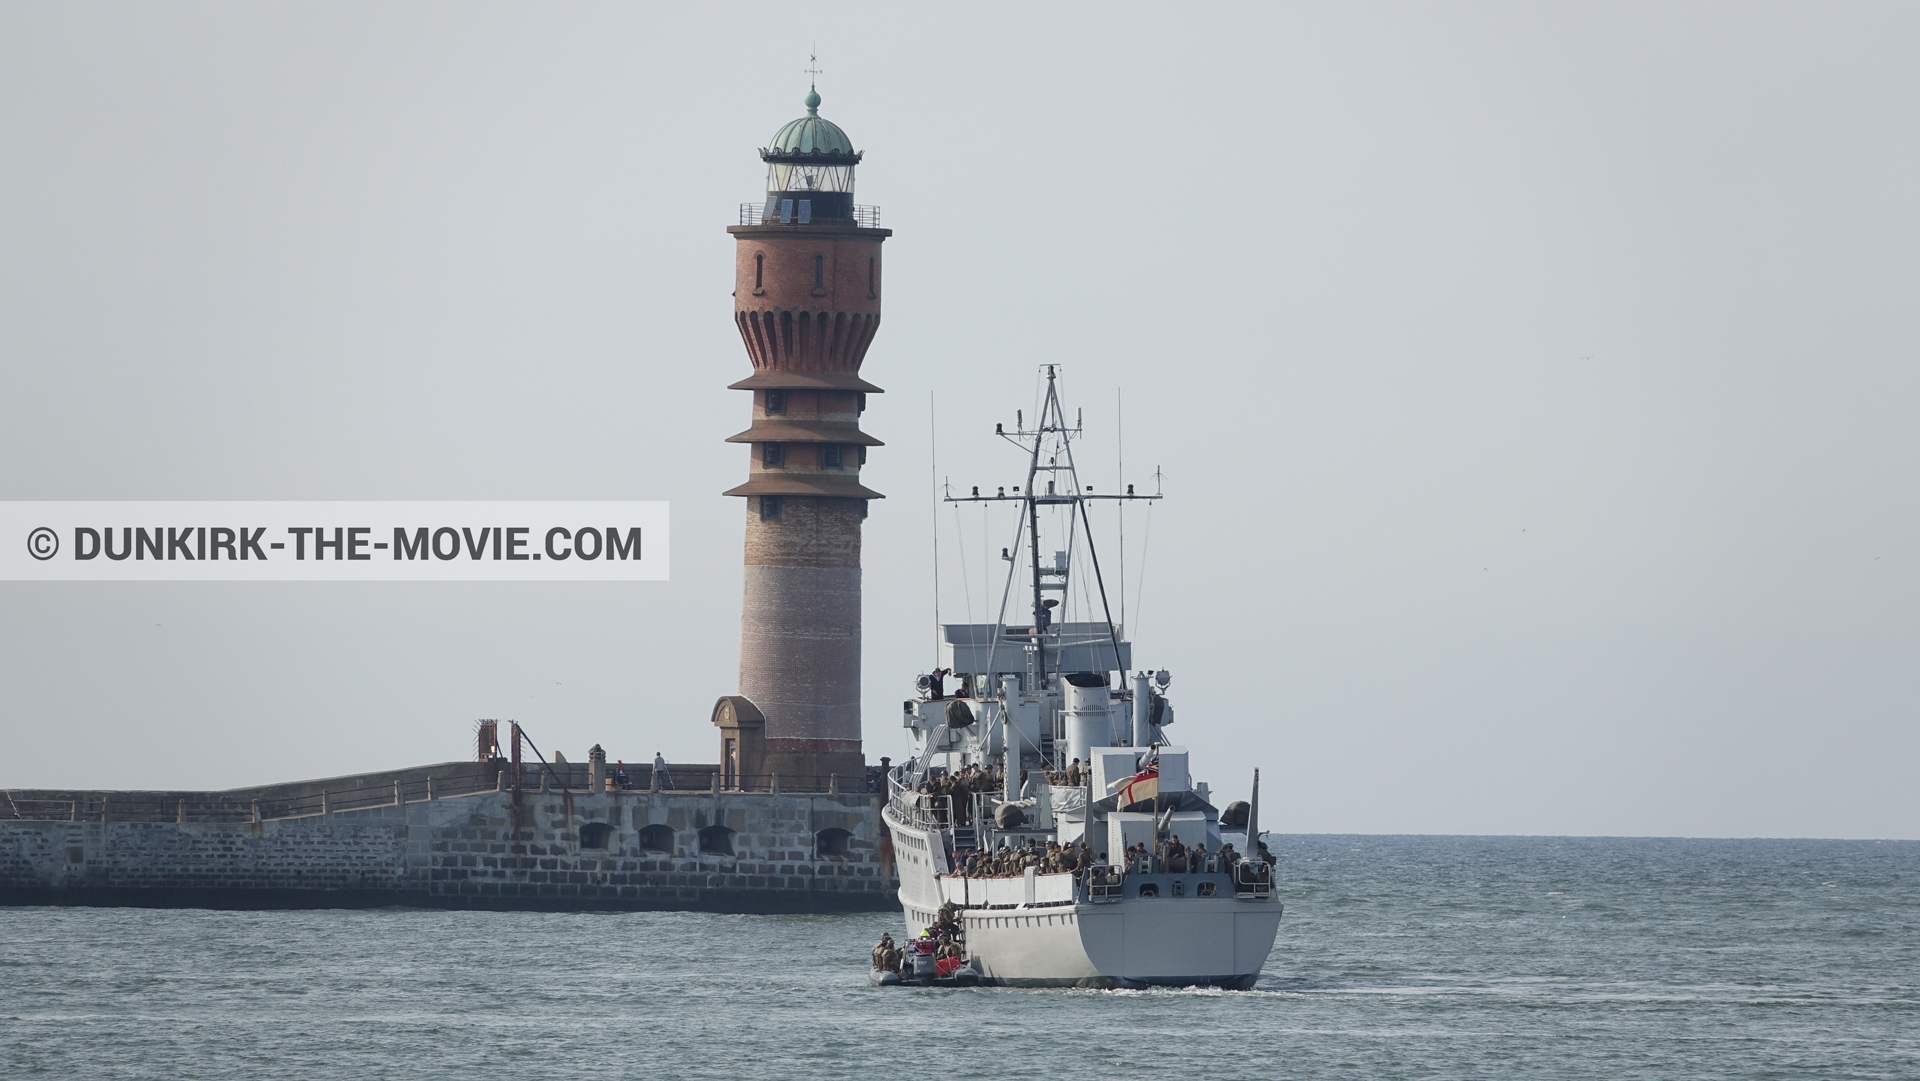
(1013, 891)
(1253, 880)
(1160, 865)
(1146, 876)
(918, 810)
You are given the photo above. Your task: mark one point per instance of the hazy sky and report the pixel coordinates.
(1534, 385)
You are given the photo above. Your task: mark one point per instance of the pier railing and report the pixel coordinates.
(794, 782)
(215, 807)
(161, 807)
(709, 779)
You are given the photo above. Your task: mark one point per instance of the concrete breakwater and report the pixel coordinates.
(459, 840)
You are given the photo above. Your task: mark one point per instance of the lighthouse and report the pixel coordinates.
(807, 290)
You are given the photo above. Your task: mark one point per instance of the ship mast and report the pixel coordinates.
(1051, 425)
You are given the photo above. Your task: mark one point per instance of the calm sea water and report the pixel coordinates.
(1400, 957)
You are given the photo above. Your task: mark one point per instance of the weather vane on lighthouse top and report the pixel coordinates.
(813, 68)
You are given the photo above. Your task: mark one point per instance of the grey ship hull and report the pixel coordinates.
(1032, 933)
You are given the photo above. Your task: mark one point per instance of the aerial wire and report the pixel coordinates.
(1080, 501)
(1140, 591)
(933, 470)
(1006, 594)
(960, 539)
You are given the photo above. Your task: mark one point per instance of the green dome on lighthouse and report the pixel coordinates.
(810, 135)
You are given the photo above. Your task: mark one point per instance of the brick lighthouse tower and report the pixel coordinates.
(807, 304)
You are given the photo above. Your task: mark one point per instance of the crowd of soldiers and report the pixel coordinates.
(1053, 858)
(974, 779)
(1012, 861)
(1177, 859)
(977, 778)
(962, 786)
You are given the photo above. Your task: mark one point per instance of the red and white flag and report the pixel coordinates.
(1140, 787)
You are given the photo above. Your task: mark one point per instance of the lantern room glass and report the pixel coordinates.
(787, 176)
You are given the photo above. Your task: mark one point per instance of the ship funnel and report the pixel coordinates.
(1089, 714)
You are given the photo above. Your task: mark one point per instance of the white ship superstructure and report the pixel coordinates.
(1029, 699)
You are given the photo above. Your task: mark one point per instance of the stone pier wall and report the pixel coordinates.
(789, 853)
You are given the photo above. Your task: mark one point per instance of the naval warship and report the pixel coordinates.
(1046, 832)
